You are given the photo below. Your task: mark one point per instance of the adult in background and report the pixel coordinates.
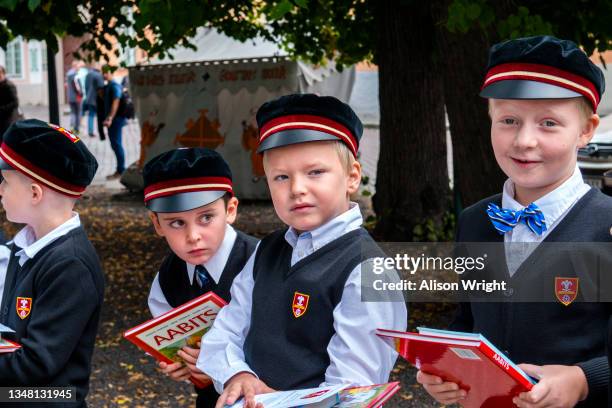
(73, 93)
(114, 120)
(9, 103)
(94, 81)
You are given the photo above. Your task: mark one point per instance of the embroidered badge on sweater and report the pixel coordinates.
(23, 306)
(566, 289)
(300, 304)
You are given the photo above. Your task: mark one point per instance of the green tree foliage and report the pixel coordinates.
(343, 31)
(48, 19)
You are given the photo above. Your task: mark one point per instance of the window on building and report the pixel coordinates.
(35, 60)
(43, 55)
(14, 60)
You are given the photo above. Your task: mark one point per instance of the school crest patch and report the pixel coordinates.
(24, 305)
(566, 289)
(73, 138)
(300, 304)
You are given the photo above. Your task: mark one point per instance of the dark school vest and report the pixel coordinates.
(174, 280)
(545, 332)
(292, 311)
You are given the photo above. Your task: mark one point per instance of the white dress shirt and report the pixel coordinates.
(357, 355)
(30, 246)
(554, 205)
(5, 254)
(215, 265)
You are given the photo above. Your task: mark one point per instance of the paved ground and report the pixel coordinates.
(101, 149)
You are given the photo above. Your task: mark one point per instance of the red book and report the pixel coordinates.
(468, 359)
(184, 325)
(7, 346)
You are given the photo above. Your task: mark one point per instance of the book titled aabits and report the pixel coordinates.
(184, 325)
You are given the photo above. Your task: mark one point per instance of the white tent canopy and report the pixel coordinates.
(209, 98)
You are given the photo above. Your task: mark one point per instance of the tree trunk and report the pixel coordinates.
(476, 173)
(412, 179)
(52, 86)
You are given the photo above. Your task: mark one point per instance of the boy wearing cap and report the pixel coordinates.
(190, 197)
(296, 319)
(543, 95)
(54, 285)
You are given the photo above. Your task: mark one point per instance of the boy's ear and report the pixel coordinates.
(354, 177)
(588, 131)
(231, 211)
(156, 225)
(36, 193)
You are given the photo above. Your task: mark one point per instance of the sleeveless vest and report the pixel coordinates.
(292, 318)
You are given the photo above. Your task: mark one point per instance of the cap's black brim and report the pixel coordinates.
(293, 136)
(183, 202)
(5, 166)
(524, 89)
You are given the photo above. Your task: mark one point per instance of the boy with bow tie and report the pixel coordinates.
(190, 197)
(543, 95)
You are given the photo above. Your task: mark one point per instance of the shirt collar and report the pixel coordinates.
(347, 221)
(216, 264)
(553, 204)
(26, 238)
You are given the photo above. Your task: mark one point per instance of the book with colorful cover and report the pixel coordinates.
(368, 396)
(338, 396)
(321, 397)
(467, 359)
(7, 346)
(163, 336)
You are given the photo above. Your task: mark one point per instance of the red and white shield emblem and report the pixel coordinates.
(566, 289)
(300, 304)
(24, 305)
(73, 138)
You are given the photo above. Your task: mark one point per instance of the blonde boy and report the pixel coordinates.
(54, 285)
(296, 319)
(543, 94)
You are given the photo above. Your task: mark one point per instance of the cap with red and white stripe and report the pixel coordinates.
(184, 179)
(301, 118)
(541, 67)
(48, 154)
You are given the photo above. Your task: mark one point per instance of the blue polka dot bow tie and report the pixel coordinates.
(505, 220)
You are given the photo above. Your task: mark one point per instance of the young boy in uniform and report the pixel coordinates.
(54, 285)
(190, 197)
(296, 319)
(543, 95)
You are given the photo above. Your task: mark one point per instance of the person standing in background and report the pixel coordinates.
(73, 97)
(114, 120)
(9, 103)
(94, 81)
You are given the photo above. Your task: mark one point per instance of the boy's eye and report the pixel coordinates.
(509, 121)
(176, 223)
(280, 177)
(316, 172)
(549, 123)
(206, 218)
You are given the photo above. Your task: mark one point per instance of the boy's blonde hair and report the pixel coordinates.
(345, 155)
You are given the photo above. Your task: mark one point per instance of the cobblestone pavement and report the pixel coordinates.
(101, 149)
